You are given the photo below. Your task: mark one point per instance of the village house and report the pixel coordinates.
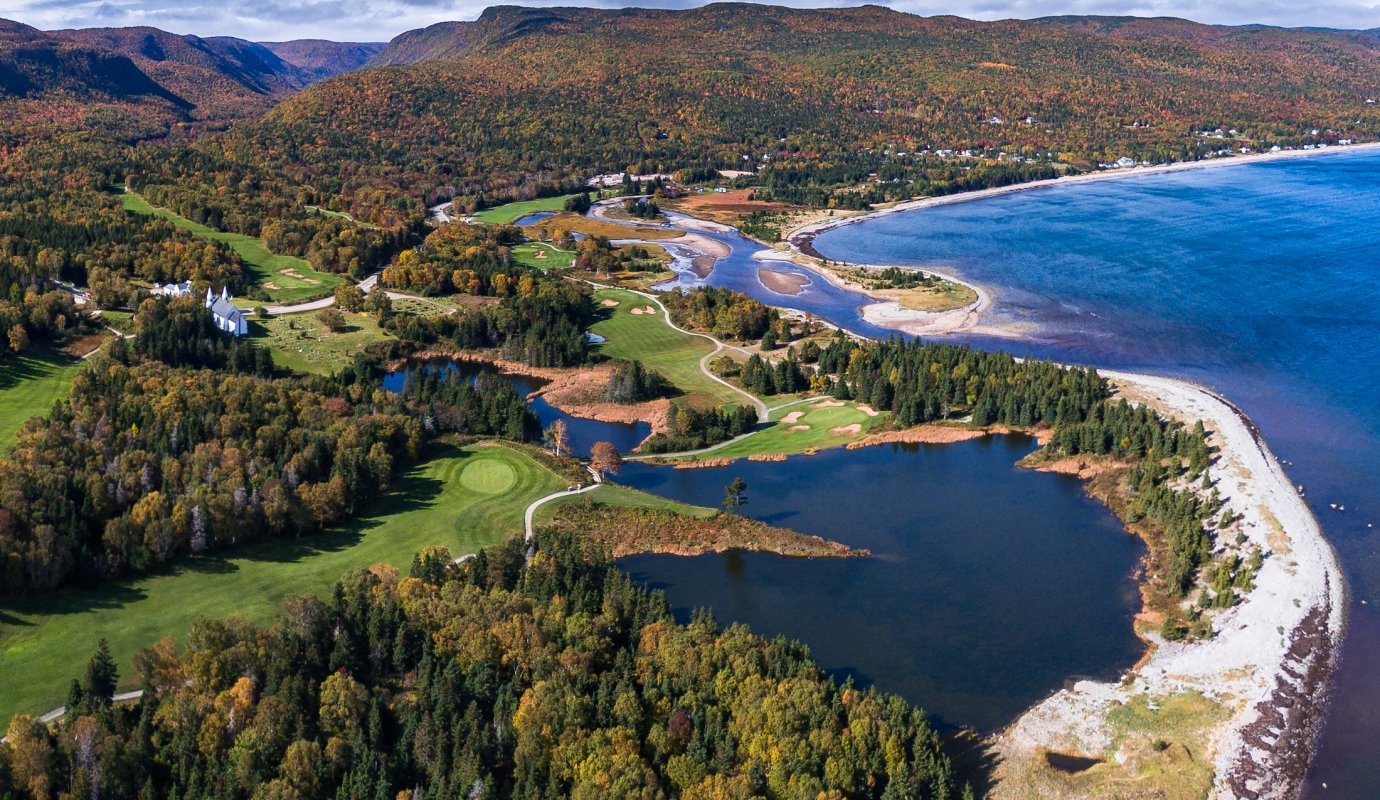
(174, 289)
(228, 318)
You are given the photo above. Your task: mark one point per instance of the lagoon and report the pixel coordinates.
(971, 608)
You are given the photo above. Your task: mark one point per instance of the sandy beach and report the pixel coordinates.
(1269, 660)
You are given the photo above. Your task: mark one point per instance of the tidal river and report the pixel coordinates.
(1261, 280)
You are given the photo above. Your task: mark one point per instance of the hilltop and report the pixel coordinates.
(160, 77)
(832, 96)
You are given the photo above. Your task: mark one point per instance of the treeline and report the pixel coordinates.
(785, 376)
(500, 677)
(631, 382)
(693, 429)
(886, 177)
(722, 312)
(146, 461)
(219, 187)
(544, 328)
(181, 332)
(450, 401)
(924, 382)
(143, 463)
(462, 259)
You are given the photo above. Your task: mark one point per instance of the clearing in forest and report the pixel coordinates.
(287, 279)
(647, 338)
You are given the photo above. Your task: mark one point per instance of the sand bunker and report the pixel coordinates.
(271, 286)
(846, 430)
(792, 417)
(828, 404)
(800, 427)
(542, 254)
(868, 410)
(643, 310)
(608, 303)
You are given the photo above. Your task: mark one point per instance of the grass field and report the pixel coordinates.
(29, 385)
(122, 321)
(301, 343)
(647, 338)
(550, 258)
(779, 438)
(326, 212)
(284, 278)
(463, 498)
(508, 212)
(578, 223)
(611, 494)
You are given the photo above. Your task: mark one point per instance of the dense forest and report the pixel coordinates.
(182, 441)
(505, 676)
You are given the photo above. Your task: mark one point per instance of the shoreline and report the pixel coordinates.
(801, 238)
(1271, 660)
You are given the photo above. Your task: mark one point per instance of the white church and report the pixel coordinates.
(228, 318)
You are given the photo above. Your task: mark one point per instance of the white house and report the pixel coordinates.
(1125, 161)
(174, 289)
(228, 318)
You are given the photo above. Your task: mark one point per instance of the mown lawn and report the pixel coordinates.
(122, 321)
(611, 494)
(29, 385)
(326, 212)
(543, 256)
(816, 433)
(285, 278)
(301, 343)
(462, 498)
(647, 338)
(508, 212)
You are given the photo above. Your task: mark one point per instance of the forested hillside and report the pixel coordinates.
(321, 58)
(840, 98)
(149, 72)
(220, 75)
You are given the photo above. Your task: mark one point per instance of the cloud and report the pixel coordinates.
(379, 20)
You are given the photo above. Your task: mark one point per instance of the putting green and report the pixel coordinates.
(488, 477)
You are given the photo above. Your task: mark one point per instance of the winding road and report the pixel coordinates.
(541, 501)
(719, 347)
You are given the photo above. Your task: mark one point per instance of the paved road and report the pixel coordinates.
(536, 504)
(367, 285)
(704, 361)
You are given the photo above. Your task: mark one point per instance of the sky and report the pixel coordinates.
(380, 20)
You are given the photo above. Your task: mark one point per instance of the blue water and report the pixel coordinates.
(533, 218)
(583, 433)
(1261, 280)
(975, 610)
(738, 271)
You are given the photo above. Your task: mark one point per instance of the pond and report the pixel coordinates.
(583, 432)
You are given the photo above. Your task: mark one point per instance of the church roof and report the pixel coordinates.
(225, 309)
